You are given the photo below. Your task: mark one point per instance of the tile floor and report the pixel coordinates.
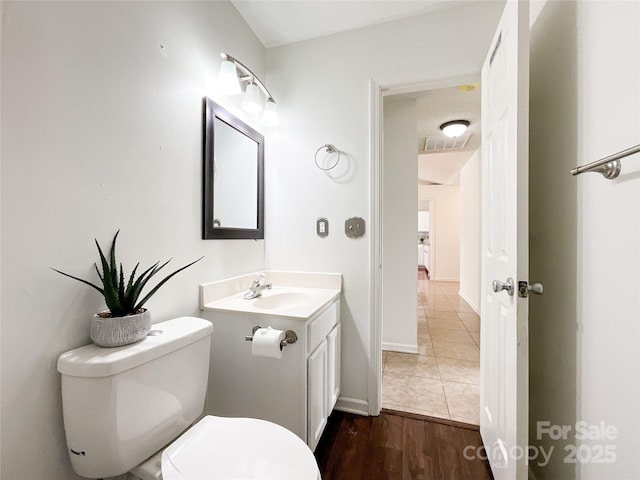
(443, 380)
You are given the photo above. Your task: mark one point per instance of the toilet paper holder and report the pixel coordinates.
(289, 337)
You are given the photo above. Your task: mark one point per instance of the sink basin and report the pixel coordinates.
(282, 300)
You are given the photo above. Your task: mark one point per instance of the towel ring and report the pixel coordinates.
(329, 149)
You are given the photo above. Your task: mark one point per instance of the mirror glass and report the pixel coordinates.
(233, 176)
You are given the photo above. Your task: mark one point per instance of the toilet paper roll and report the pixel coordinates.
(266, 343)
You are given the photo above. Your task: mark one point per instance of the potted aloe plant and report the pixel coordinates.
(125, 321)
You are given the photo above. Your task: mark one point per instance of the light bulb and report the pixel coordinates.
(270, 115)
(252, 102)
(228, 78)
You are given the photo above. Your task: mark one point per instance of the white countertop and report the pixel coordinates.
(305, 302)
(298, 295)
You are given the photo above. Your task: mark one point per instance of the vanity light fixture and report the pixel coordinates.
(252, 102)
(270, 114)
(234, 75)
(455, 128)
(228, 78)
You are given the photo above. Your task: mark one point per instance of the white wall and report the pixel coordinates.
(399, 244)
(101, 129)
(322, 89)
(609, 221)
(585, 232)
(445, 234)
(471, 230)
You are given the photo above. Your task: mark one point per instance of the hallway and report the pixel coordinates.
(443, 379)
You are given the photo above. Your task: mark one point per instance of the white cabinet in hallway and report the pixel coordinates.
(425, 257)
(423, 221)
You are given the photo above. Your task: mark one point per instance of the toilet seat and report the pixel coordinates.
(219, 448)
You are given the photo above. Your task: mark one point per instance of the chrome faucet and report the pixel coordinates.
(257, 288)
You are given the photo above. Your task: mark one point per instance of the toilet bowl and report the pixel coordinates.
(129, 409)
(259, 449)
(220, 448)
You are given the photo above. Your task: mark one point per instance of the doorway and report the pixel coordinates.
(438, 375)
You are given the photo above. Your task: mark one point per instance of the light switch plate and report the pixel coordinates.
(322, 227)
(354, 227)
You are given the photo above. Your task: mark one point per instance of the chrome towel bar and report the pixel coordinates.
(609, 166)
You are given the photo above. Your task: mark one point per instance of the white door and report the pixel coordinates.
(504, 371)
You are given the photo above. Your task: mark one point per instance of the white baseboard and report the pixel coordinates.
(471, 304)
(445, 279)
(400, 347)
(352, 405)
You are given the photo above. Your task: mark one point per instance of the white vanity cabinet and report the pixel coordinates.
(323, 371)
(333, 368)
(317, 385)
(298, 390)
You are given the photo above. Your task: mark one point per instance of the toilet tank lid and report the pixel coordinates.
(94, 361)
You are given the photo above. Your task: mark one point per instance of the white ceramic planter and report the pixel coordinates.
(119, 331)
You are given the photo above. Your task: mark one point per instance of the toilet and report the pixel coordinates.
(132, 409)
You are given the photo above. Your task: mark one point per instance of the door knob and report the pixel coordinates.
(524, 288)
(498, 286)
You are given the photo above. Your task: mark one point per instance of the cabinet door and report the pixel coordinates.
(333, 368)
(316, 394)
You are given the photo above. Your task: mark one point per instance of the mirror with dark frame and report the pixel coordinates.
(233, 174)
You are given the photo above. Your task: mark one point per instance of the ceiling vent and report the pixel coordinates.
(445, 144)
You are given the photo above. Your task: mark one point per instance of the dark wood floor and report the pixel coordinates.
(398, 446)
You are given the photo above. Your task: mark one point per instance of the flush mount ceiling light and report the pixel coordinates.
(234, 75)
(455, 128)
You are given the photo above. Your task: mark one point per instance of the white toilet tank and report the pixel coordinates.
(121, 405)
